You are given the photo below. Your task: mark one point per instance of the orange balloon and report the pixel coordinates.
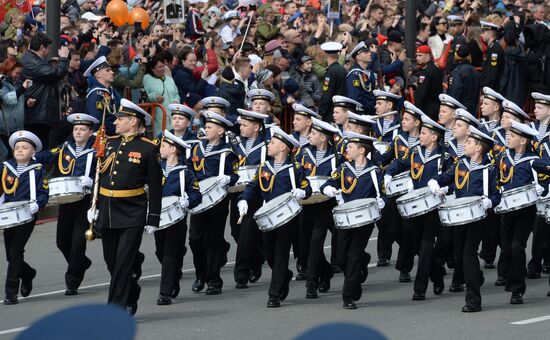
(138, 14)
(117, 11)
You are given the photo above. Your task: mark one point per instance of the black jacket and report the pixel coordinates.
(464, 85)
(235, 93)
(186, 83)
(44, 89)
(429, 86)
(512, 80)
(333, 84)
(493, 66)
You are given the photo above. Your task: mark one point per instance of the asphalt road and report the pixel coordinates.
(241, 314)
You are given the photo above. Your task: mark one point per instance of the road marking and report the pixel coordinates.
(13, 330)
(533, 320)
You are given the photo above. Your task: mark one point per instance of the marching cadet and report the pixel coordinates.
(22, 180)
(391, 223)
(446, 117)
(512, 113)
(220, 106)
(516, 170)
(463, 121)
(179, 181)
(342, 105)
(361, 124)
(493, 61)
(213, 157)
(252, 151)
(425, 162)
(386, 129)
(356, 179)
(182, 116)
(303, 122)
(123, 208)
(261, 101)
(319, 158)
(540, 249)
(75, 157)
(361, 81)
(276, 176)
(102, 97)
(473, 175)
(335, 79)
(491, 111)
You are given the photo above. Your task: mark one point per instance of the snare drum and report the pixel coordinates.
(400, 184)
(277, 212)
(171, 213)
(246, 173)
(356, 213)
(316, 182)
(212, 193)
(417, 202)
(65, 190)
(13, 214)
(518, 198)
(381, 147)
(543, 205)
(462, 211)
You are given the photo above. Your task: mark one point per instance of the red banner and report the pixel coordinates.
(24, 6)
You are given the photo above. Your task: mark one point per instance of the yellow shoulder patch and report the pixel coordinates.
(145, 139)
(297, 164)
(304, 183)
(196, 185)
(45, 184)
(335, 175)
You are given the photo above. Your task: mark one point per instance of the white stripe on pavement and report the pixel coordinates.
(533, 320)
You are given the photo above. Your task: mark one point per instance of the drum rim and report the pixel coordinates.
(365, 202)
(23, 205)
(419, 213)
(285, 221)
(465, 222)
(204, 208)
(422, 190)
(528, 187)
(13, 205)
(472, 199)
(63, 179)
(287, 197)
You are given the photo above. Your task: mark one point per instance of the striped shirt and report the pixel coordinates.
(386, 126)
(412, 140)
(78, 150)
(208, 149)
(249, 144)
(169, 168)
(303, 140)
(517, 157)
(474, 165)
(459, 149)
(448, 135)
(542, 131)
(359, 168)
(319, 155)
(21, 168)
(277, 165)
(427, 153)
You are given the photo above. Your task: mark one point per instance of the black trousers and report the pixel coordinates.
(249, 257)
(389, 228)
(208, 245)
(170, 250)
(15, 240)
(467, 238)
(491, 237)
(515, 229)
(424, 230)
(71, 226)
(276, 245)
(120, 251)
(540, 248)
(352, 258)
(315, 221)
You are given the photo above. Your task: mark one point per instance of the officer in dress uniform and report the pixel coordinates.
(356, 179)
(22, 180)
(277, 176)
(516, 169)
(425, 162)
(124, 208)
(493, 59)
(472, 175)
(178, 181)
(182, 116)
(386, 129)
(335, 79)
(74, 158)
(319, 158)
(102, 97)
(391, 223)
(540, 247)
(361, 80)
(212, 158)
(491, 111)
(302, 122)
(252, 151)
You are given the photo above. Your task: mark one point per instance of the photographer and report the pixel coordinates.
(12, 101)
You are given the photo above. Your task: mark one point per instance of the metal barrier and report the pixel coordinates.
(286, 118)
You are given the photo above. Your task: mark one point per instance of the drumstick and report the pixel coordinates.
(391, 113)
(239, 221)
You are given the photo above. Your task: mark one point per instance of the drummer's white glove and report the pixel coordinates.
(539, 188)
(184, 202)
(487, 204)
(34, 207)
(92, 215)
(86, 181)
(442, 191)
(298, 193)
(243, 207)
(224, 179)
(149, 229)
(381, 203)
(330, 191)
(387, 182)
(433, 185)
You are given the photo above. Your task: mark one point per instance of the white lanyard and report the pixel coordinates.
(89, 159)
(375, 182)
(182, 182)
(486, 182)
(222, 164)
(292, 178)
(32, 185)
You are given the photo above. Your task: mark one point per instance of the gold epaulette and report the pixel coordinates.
(154, 142)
